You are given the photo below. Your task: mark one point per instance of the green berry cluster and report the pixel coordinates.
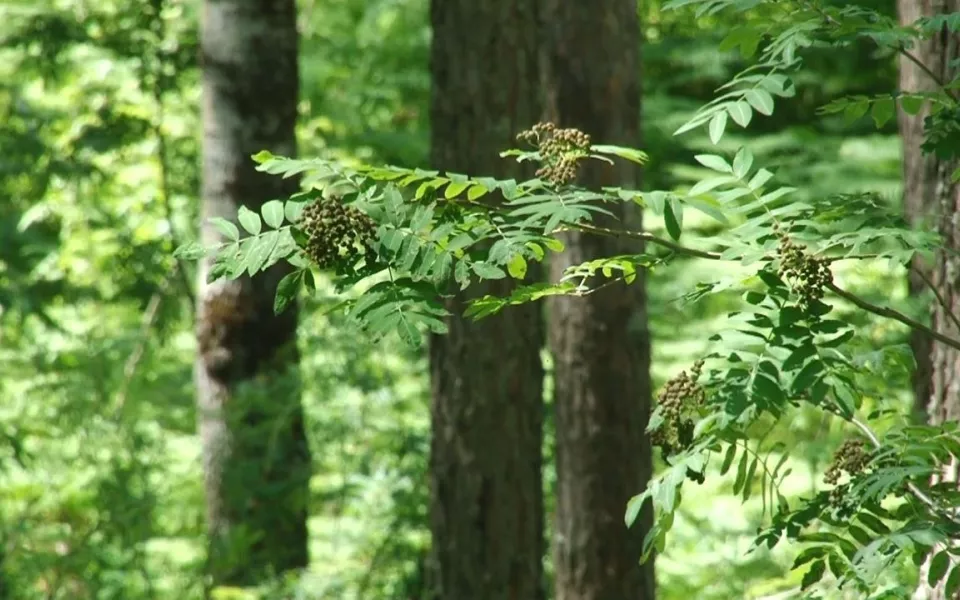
(336, 232)
(850, 457)
(808, 275)
(560, 150)
(842, 504)
(678, 401)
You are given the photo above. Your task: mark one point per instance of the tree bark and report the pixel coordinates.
(600, 343)
(487, 377)
(920, 171)
(255, 454)
(930, 199)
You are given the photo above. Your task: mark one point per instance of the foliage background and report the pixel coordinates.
(100, 485)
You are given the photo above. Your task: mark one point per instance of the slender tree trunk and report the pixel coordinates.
(255, 454)
(600, 343)
(487, 405)
(931, 199)
(919, 175)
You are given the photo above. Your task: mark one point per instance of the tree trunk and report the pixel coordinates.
(255, 455)
(931, 199)
(919, 172)
(487, 377)
(600, 343)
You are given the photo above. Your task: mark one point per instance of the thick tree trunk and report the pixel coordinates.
(930, 199)
(487, 405)
(600, 343)
(255, 455)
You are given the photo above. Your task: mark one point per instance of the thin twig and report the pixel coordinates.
(900, 49)
(680, 249)
(833, 259)
(133, 361)
(936, 78)
(884, 311)
(917, 492)
(940, 298)
(640, 235)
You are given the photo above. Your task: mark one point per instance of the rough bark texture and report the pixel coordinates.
(600, 343)
(487, 405)
(932, 201)
(920, 170)
(255, 455)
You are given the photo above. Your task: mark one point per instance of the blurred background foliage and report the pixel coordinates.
(100, 482)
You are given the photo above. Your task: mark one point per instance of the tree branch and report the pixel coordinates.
(940, 298)
(640, 235)
(926, 70)
(890, 313)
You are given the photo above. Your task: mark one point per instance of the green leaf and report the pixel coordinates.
(759, 179)
(782, 504)
(704, 186)
(938, 568)
(742, 162)
(845, 398)
(258, 250)
(272, 212)
(714, 162)
(728, 459)
(837, 566)
(422, 216)
(813, 574)
(860, 535)
(708, 209)
(717, 124)
(778, 85)
(262, 156)
(228, 229)
(293, 209)
(287, 290)
(461, 273)
(409, 332)
(873, 523)
(455, 189)
(761, 100)
(741, 112)
(633, 508)
(554, 244)
(809, 554)
(488, 271)
(628, 153)
(799, 356)
(671, 221)
(911, 104)
(476, 192)
(249, 220)
(741, 472)
(190, 251)
(748, 481)
(517, 267)
(882, 111)
(856, 109)
(953, 583)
